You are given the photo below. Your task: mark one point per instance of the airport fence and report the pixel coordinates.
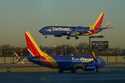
(107, 59)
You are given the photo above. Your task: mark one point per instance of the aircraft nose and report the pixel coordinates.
(41, 31)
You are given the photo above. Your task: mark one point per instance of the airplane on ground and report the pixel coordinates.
(72, 63)
(75, 31)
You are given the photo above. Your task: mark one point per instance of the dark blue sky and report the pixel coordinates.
(18, 16)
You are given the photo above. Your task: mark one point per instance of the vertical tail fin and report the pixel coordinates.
(35, 51)
(98, 23)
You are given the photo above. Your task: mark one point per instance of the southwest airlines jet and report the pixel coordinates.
(72, 63)
(74, 31)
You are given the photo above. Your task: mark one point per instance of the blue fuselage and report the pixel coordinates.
(68, 62)
(64, 30)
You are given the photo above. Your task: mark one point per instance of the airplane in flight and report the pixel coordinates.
(75, 31)
(72, 63)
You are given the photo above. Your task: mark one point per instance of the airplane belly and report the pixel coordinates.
(65, 65)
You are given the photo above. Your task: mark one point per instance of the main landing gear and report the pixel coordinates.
(68, 37)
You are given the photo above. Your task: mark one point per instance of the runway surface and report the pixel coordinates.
(53, 77)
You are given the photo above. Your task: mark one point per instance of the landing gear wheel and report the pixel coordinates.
(77, 37)
(73, 70)
(67, 37)
(45, 36)
(61, 71)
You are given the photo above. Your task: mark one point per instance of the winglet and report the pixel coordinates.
(35, 51)
(98, 23)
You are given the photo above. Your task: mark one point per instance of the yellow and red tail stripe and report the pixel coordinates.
(98, 22)
(35, 51)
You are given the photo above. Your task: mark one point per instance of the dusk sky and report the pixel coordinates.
(18, 16)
